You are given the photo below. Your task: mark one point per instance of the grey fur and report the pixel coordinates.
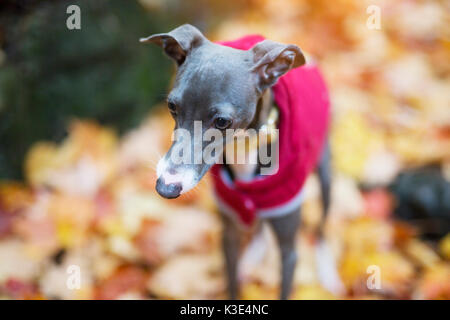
(218, 81)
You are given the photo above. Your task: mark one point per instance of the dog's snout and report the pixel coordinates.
(169, 191)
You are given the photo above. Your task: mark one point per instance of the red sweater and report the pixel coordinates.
(302, 98)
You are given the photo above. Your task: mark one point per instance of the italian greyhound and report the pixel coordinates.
(227, 88)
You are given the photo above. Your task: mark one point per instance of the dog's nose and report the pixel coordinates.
(169, 191)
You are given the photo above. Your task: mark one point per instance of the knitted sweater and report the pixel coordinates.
(302, 98)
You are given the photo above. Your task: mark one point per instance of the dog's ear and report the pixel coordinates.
(178, 42)
(272, 60)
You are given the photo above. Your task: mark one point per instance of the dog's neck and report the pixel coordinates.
(265, 103)
(246, 171)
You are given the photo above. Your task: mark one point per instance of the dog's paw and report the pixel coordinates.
(327, 271)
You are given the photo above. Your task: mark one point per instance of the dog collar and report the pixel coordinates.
(268, 132)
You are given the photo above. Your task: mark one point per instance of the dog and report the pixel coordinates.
(247, 84)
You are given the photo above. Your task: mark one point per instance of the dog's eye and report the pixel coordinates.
(172, 108)
(222, 123)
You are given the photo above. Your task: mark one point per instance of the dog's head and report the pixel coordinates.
(216, 88)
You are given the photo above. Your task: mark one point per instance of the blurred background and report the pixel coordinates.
(83, 124)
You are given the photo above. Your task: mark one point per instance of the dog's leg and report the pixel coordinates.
(324, 173)
(326, 265)
(285, 229)
(231, 244)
